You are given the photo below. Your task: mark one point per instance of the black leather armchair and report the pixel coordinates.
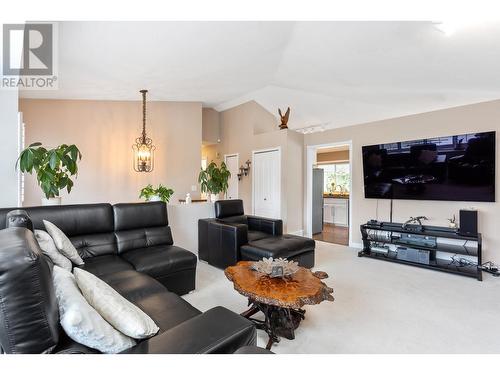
(233, 236)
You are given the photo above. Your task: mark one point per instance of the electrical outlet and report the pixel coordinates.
(194, 188)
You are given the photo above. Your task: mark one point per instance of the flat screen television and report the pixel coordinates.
(453, 168)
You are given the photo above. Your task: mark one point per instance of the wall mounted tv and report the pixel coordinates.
(453, 168)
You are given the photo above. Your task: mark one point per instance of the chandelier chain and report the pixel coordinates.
(144, 115)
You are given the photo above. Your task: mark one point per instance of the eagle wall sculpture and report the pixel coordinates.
(284, 119)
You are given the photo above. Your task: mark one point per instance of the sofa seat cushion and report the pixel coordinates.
(133, 285)
(106, 264)
(255, 235)
(165, 308)
(159, 261)
(286, 246)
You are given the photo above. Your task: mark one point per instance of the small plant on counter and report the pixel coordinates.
(452, 222)
(53, 167)
(161, 193)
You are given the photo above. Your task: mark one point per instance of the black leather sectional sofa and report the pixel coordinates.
(233, 236)
(130, 247)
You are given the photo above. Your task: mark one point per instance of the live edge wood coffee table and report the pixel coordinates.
(280, 299)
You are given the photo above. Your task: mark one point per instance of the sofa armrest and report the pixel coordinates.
(218, 330)
(224, 241)
(272, 226)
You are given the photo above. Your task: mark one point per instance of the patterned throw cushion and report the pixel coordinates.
(63, 243)
(82, 322)
(49, 248)
(115, 309)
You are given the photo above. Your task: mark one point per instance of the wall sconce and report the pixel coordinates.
(244, 170)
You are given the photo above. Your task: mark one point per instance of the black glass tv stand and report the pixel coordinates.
(431, 247)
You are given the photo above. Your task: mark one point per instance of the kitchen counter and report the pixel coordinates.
(336, 209)
(339, 196)
(183, 219)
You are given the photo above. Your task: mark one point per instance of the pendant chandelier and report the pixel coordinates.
(143, 147)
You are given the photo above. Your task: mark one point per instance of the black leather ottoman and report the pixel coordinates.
(296, 248)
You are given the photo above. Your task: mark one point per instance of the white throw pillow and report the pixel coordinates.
(81, 322)
(63, 243)
(115, 309)
(49, 248)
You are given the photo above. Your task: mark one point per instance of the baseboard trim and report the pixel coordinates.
(297, 232)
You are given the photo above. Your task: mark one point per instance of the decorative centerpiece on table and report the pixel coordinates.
(276, 267)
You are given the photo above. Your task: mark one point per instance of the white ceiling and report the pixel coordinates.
(331, 74)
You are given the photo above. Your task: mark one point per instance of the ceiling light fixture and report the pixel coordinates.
(143, 147)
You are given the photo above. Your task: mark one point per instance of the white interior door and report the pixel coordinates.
(232, 163)
(267, 183)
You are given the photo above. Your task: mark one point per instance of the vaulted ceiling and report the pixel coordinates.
(331, 74)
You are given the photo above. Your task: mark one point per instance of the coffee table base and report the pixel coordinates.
(278, 322)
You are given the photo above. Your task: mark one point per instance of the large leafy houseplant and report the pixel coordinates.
(53, 167)
(161, 193)
(214, 179)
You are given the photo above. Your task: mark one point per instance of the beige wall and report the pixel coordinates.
(238, 136)
(249, 127)
(332, 157)
(459, 120)
(295, 181)
(105, 131)
(210, 126)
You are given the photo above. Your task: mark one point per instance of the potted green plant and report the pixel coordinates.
(214, 180)
(53, 167)
(151, 194)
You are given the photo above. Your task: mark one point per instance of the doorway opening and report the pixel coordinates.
(329, 194)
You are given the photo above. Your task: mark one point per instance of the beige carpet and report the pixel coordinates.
(379, 307)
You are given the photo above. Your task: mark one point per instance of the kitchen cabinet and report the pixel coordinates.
(336, 211)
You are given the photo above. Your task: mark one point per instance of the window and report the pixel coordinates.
(337, 178)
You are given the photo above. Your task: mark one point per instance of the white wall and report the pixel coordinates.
(9, 128)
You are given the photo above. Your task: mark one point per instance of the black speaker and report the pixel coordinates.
(468, 223)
